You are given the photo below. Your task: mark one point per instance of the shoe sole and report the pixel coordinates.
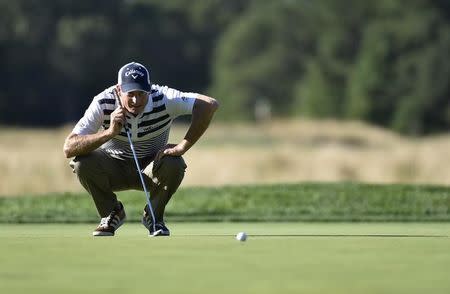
(107, 234)
(159, 233)
(102, 234)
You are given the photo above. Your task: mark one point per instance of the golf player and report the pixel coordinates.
(104, 161)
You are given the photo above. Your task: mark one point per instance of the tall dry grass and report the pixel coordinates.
(32, 161)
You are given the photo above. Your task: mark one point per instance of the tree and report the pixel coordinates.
(261, 56)
(399, 79)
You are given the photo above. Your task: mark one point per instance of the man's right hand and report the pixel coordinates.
(118, 120)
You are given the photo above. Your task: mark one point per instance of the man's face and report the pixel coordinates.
(134, 102)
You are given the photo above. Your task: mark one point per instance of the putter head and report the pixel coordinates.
(156, 233)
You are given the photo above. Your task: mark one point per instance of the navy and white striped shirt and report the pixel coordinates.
(149, 130)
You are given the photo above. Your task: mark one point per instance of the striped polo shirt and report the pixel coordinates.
(149, 130)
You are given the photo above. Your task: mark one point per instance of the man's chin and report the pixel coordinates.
(135, 111)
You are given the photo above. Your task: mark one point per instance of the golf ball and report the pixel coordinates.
(241, 236)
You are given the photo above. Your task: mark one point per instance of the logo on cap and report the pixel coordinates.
(134, 77)
(134, 73)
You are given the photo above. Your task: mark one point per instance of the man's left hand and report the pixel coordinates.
(171, 150)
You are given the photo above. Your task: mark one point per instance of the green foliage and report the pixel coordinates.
(317, 96)
(293, 202)
(57, 56)
(384, 62)
(397, 80)
(380, 61)
(260, 57)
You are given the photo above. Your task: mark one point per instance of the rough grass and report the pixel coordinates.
(281, 151)
(281, 202)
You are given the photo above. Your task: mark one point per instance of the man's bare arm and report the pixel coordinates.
(202, 113)
(83, 144)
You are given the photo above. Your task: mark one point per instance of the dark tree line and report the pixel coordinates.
(385, 62)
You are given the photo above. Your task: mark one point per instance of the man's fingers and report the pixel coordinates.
(161, 153)
(173, 151)
(121, 118)
(118, 119)
(119, 115)
(169, 149)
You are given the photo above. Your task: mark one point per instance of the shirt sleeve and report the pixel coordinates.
(91, 121)
(179, 103)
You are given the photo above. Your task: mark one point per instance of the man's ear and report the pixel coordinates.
(119, 90)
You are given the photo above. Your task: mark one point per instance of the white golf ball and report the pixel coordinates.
(241, 236)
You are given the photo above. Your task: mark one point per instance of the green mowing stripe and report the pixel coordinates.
(282, 202)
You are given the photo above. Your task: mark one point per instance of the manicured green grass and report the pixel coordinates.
(205, 258)
(281, 202)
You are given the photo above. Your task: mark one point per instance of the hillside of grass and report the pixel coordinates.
(288, 151)
(281, 202)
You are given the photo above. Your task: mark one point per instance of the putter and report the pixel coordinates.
(147, 194)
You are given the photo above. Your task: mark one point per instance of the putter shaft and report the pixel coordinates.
(147, 194)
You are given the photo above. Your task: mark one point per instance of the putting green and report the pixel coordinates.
(205, 258)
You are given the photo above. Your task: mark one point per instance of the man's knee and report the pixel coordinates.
(172, 166)
(171, 172)
(168, 170)
(82, 165)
